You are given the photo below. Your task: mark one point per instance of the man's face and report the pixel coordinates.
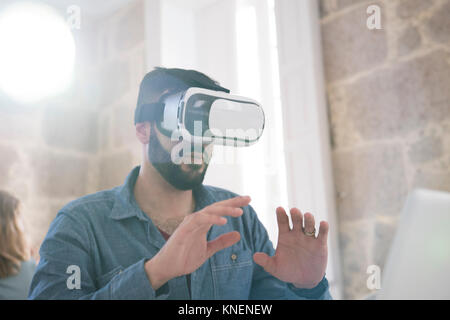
(184, 176)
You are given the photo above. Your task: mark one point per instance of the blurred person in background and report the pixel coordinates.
(16, 263)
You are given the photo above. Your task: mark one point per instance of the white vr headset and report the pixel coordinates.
(206, 116)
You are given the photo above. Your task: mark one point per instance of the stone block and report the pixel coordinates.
(18, 180)
(326, 7)
(18, 125)
(114, 168)
(115, 82)
(8, 157)
(105, 131)
(383, 237)
(438, 25)
(426, 149)
(59, 175)
(123, 129)
(138, 69)
(88, 88)
(350, 47)
(72, 128)
(343, 135)
(331, 6)
(130, 27)
(408, 41)
(86, 39)
(398, 100)
(432, 180)
(356, 249)
(410, 8)
(369, 180)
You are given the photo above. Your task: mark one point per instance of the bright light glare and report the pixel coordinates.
(37, 52)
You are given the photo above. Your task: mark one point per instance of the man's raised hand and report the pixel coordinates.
(187, 248)
(300, 257)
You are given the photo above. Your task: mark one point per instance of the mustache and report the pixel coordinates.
(195, 167)
(171, 172)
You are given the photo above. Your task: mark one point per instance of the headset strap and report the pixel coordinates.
(149, 112)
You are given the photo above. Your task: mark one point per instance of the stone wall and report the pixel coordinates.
(122, 67)
(83, 140)
(389, 105)
(388, 93)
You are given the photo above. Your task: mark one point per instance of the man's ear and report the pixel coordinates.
(143, 132)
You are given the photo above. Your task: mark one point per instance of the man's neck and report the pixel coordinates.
(160, 200)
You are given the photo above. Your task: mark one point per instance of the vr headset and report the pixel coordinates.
(204, 116)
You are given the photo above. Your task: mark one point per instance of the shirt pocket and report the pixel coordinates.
(232, 272)
(105, 278)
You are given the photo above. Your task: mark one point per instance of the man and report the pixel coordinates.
(165, 235)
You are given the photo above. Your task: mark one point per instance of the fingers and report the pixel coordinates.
(283, 221)
(236, 202)
(309, 222)
(223, 241)
(323, 232)
(230, 207)
(222, 211)
(215, 213)
(297, 219)
(209, 219)
(265, 261)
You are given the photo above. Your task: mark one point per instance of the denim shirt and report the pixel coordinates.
(109, 238)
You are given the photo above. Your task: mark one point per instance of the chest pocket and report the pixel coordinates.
(232, 271)
(104, 279)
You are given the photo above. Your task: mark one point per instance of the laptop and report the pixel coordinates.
(418, 264)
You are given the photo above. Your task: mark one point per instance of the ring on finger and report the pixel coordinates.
(310, 234)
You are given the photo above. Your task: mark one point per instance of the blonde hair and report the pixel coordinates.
(13, 245)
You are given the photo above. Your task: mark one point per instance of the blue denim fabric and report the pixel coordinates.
(109, 238)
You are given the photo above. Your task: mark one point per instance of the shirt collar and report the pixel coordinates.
(125, 205)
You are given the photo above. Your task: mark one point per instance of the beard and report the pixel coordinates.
(180, 176)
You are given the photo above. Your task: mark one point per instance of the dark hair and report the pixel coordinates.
(13, 246)
(160, 80)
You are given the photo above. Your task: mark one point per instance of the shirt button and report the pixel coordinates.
(233, 257)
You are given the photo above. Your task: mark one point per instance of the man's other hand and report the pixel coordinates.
(300, 257)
